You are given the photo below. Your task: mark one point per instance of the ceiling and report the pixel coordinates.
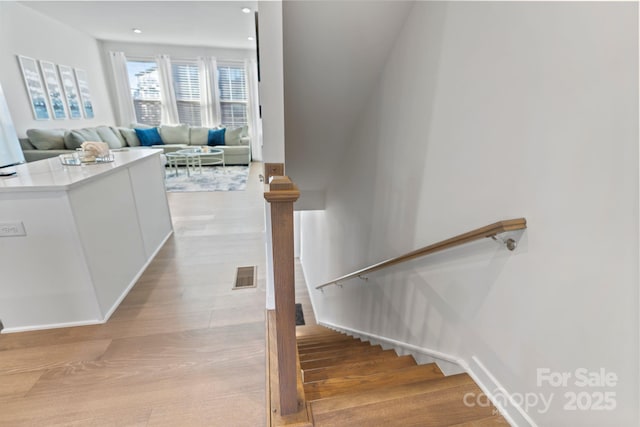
(191, 23)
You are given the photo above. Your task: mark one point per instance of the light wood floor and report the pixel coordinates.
(183, 349)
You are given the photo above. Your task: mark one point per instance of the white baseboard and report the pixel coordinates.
(409, 347)
(513, 413)
(51, 326)
(497, 393)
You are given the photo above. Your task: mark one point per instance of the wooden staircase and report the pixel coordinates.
(348, 382)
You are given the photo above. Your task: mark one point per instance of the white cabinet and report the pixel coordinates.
(90, 233)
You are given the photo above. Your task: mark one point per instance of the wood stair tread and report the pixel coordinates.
(324, 340)
(358, 368)
(340, 352)
(336, 345)
(383, 394)
(432, 409)
(357, 383)
(308, 330)
(333, 361)
(335, 341)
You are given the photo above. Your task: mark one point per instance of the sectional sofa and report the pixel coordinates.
(44, 143)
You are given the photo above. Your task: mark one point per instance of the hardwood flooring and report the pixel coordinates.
(183, 349)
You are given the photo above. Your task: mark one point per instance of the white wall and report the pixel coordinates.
(490, 111)
(24, 31)
(272, 101)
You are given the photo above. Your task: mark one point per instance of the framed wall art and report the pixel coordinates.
(54, 89)
(70, 91)
(35, 88)
(85, 95)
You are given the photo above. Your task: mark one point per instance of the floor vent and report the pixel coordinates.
(245, 277)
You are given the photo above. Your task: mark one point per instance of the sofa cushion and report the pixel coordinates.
(149, 137)
(25, 144)
(198, 136)
(175, 134)
(216, 137)
(232, 136)
(47, 139)
(74, 138)
(116, 131)
(107, 135)
(130, 137)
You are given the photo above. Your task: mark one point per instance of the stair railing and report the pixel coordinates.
(490, 231)
(281, 195)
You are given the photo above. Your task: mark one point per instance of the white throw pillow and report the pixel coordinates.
(232, 136)
(198, 136)
(174, 134)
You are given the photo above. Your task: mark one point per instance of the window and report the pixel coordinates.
(145, 91)
(186, 83)
(233, 94)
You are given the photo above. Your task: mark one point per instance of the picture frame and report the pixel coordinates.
(35, 88)
(70, 91)
(85, 94)
(54, 90)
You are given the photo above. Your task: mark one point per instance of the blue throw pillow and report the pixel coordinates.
(149, 137)
(216, 137)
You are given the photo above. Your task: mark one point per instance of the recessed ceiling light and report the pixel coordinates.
(250, 38)
(246, 10)
(137, 30)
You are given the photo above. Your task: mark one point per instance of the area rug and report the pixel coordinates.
(212, 178)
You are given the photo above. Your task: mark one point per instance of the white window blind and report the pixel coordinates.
(145, 91)
(186, 82)
(232, 83)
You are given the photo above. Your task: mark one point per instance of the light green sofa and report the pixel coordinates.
(45, 143)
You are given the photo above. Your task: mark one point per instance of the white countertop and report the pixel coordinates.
(51, 175)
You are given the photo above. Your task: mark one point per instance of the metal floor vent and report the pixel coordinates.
(245, 277)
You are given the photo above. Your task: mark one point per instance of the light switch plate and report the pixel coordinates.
(8, 229)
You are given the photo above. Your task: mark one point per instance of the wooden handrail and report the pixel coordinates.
(479, 233)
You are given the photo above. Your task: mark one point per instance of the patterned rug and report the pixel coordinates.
(212, 178)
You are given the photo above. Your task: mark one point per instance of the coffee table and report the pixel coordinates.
(176, 159)
(203, 156)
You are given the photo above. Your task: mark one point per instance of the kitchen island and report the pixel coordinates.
(74, 239)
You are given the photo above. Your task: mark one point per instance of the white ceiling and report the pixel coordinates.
(191, 23)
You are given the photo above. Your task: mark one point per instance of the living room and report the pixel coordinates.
(85, 37)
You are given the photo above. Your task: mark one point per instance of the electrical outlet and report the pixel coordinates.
(12, 229)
